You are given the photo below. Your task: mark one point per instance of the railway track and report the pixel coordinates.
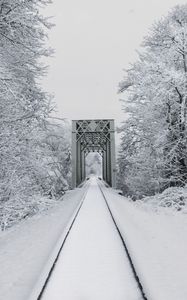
(40, 291)
(43, 280)
(136, 277)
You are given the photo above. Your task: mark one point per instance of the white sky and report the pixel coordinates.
(94, 41)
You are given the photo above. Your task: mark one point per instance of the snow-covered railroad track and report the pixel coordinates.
(58, 254)
(140, 286)
(91, 262)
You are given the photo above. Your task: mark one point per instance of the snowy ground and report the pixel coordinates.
(93, 264)
(157, 242)
(25, 248)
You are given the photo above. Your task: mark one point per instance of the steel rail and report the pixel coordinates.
(136, 277)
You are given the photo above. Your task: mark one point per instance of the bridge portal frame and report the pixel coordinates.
(96, 135)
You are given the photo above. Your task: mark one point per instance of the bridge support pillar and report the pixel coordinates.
(74, 155)
(113, 156)
(104, 165)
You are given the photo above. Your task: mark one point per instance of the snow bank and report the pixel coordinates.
(157, 242)
(26, 247)
(174, 198)
(16, 210)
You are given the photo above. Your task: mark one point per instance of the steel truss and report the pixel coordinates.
(93, 136)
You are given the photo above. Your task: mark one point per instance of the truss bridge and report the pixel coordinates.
(93, 136)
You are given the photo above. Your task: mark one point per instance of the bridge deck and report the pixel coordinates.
(92, 263)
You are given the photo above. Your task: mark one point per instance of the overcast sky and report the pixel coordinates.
(94, 41)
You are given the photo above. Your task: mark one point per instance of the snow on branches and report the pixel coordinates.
(27, 170)
(153, 150)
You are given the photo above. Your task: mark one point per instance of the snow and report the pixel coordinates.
(157, 242)
(26, 248)
(172, 198)
(93, 264)
(94, 261)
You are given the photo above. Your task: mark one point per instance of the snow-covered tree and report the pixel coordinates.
(27, 161)
(153, 152)
(57, 158)
(93, 164)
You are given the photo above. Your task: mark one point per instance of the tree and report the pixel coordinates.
(27, 161)
(154, 136)
(57, 159)
(93, 164)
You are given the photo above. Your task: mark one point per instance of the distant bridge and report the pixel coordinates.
(93, 136)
